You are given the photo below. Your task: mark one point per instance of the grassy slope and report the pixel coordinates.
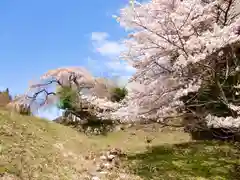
(32, 148)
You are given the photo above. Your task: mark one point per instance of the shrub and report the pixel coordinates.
(68, 98)
(118, 94)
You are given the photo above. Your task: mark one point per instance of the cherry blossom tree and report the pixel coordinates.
(44, 92)
(181, 49)
(177, 47)
(73, 84)
(19, 105)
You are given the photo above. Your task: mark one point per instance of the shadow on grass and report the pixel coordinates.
(216, 134)
(205, 159)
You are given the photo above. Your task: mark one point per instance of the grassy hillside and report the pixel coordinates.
(32, 148)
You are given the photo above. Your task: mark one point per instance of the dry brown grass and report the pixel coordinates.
(33, 148)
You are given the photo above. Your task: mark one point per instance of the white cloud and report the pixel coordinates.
(105, 46)
(110, 48)
(108, 62)
(99, 36)
(93, 64)
(130, 69)
(120, 66)
(123, 81)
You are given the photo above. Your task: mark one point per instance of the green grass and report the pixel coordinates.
(33, 148)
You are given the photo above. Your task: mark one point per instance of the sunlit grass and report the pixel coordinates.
(33, 148)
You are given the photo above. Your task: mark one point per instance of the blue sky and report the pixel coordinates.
(39, 35)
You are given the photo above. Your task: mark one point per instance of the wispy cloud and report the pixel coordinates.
(110, 50)
(122, 80)
(120, 66)
(99, 36)
(104, 46)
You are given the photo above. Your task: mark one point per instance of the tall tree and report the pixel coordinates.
(176, 47)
